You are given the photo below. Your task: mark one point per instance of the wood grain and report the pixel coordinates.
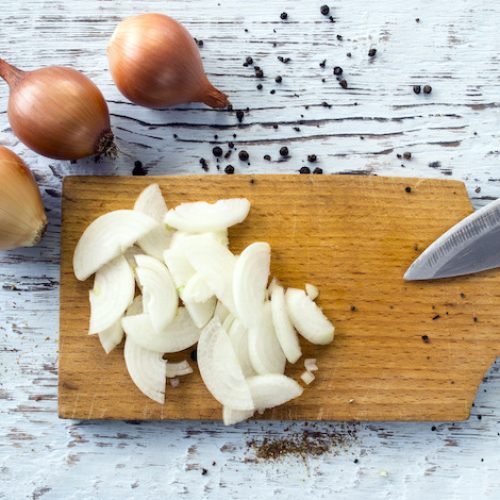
(351, 236)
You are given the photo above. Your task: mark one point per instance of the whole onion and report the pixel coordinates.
(22, 216)
(58, 112)
(156, 63)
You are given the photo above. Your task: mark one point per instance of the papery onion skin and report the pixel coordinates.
(58, 112)
(22, 216)
(155, 62)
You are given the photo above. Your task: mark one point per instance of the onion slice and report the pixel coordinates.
(310, 364)
(250, 277)
(179, 335)
(200, 216)
(196, 290)
(180, 268)
(239, 338)
(312, 291)
(220, 370)
(151, 202)
(201, 312)
(264, 348)
(308, 318)
(147, 369)
(178, 369)
(287, 336)
(136, 307)
(214, 263)
(108, 237)
(307, 377)
(160, 298)
(112, 336)
(221, 312)
(272, 390)
(112, 293)
(231, 417)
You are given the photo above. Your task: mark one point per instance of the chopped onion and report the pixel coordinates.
(228, 322)
(201, 312)
(179, 335)
(312, 291)
(108, 237)
(112, 336)
(174, 382)
(308, 318)
(178, 265)
(196, 290)
(200, 216)
(152, 203)
(287, 336)
(112, 293)
(307, 377)
(264, 348)
(272, 390)
(250, 277)
(221, 312)
(178, 369)
(215, 264)
(310, 364)
(147, 369)
(136, 307)
(231, 417)
(160, 298)
(220, 370)
(239, 338)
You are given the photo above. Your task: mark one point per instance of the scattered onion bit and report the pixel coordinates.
(307, 377)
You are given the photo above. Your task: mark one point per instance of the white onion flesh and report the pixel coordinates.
(308, 318)
(151, 202)
(136, 307)
(307, 377)
(178, 369)
(264, 348)
(286, 334)
(310, 364)
(111, 337)
(201, 312)
(220, 370)
(196, 290)
(228, 322)
(312, 291)
(179, 335)
(214, 263)
(200, 216)
(113, 292)
(239, 338)
(178, 265)
(221, 312)
(159, 294)
(251, 274)
(108, 237)
(272, 390)
(147, 369)
(231, 417)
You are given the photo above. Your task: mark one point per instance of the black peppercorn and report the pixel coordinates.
(325, 10)
(284, 16)
(272, 91)
(407, 155)
(230, 145)
(312, 158)
(278, 79)
(259, 86)
(217, 151)
(259, 73)
(243, 155)
(249, 60)
(426, 339)
(349, 54)
(343, 84)
(372, 52)
(200, 43)
(267, 157)
(340, 37)
(305, 170)
(322, 64)
(318, 170)
(284, 151)
(239, 115)
(229, 169)
(408, 189)
(417, 89)
(139, 169)
(337, 70)
(427, 89)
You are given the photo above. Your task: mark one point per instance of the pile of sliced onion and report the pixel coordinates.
(194, 290)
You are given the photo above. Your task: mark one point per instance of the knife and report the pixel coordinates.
(470, 246)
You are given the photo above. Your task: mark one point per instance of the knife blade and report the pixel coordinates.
(470, 246)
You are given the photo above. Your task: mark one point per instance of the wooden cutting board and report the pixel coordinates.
(353, 237)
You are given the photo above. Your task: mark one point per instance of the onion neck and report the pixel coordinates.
(106, 145)
(213, 97)
(9, 73)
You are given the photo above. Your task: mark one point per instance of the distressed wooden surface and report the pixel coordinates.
(452, 133)
(357, 248)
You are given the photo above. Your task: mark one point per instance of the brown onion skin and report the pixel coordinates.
(23, 223)
(57, 112)
(155, 62)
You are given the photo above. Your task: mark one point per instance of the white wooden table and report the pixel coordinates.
(453, 132)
